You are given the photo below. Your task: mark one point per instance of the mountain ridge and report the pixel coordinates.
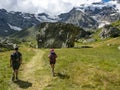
(92, 16)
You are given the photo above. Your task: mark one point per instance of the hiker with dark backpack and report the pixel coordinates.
(52, 56)
(15, 62)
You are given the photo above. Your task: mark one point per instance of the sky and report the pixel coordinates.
(53, 7)
(106, 0)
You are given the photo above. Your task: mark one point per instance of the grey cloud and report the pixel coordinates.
(53, 6)
(8, 4)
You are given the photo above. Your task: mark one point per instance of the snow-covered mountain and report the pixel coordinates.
(103, 13)
(11, 22)
(79, 18)
(87, 16)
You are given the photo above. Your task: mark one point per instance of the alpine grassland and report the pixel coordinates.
(6, 70)
(95, 68)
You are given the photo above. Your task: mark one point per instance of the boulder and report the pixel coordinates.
(109, 31)
(7, 44)
(118, 47)
(57, 35)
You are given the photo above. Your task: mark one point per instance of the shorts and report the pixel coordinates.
(15, 66)
(52, 61)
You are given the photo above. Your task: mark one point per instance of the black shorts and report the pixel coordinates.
(52, 61)
(15, 66)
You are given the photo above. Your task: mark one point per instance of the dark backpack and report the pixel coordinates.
(16, 56)
(53, 56)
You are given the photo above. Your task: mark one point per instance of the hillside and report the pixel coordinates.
(88, 51)
(86, 16)
(76, 69)
(116, 24)
(50, 34)
(108, 31)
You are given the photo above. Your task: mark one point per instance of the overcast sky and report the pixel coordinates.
(38, 6)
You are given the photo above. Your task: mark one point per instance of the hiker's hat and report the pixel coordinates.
(16, 48)
(52, 50)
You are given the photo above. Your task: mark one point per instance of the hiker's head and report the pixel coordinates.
(52, 51)
(16, 48)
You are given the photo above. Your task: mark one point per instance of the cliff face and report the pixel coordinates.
(57, 35)
(109, 31)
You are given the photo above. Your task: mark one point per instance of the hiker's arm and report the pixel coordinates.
(10, 62)
(48, 56)
(56, 56)
(21, 60)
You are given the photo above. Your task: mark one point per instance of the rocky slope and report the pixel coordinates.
(11, 22)
(87, 16)
(50, 35)
(79, 18)
(103, 13)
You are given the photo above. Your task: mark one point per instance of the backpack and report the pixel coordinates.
(16, 56)
(53, 56)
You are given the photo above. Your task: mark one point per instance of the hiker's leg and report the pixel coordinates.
(13, 75)
(52, 65)
(16, 74)
(13, 72)
(17, 69)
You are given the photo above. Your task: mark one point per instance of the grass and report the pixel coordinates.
(6, 71)
(87, 69)
(94, 68)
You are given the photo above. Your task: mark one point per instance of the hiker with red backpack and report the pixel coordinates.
(15, 62)
(52, 56)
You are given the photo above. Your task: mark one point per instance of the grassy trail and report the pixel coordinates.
(30, 80)
(95, 68)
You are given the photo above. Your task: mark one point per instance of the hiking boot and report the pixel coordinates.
(17, 78)
(13, 78)
(53, 74)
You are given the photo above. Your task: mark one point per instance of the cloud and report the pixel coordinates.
(38, 6)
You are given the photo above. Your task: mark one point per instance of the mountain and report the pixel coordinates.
(86, 16)
(55, 34)
(118, 1)
(79, 18)
(11, 22)
(30, 33)
(109, 31)
(103, 13)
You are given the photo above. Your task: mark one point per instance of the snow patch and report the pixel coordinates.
(102, 23)
(6, 31)
(15, 27)
(43, 18)
(27, 16)
(112, 14)
(98, 5)
(80, 9)
(37, 17)
(115, 3)
(12, 12)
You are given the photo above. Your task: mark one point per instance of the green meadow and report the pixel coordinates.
(5, 69)
(96, 68)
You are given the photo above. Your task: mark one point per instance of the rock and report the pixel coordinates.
(119, 48)
(57, 35)
(7, 44)
(79, 18)
(89, 40)
(109, 44)
(109, 31)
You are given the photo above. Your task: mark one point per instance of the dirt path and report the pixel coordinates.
(30, 79)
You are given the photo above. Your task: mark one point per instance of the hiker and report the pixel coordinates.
(15, 62)
(52, 56)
